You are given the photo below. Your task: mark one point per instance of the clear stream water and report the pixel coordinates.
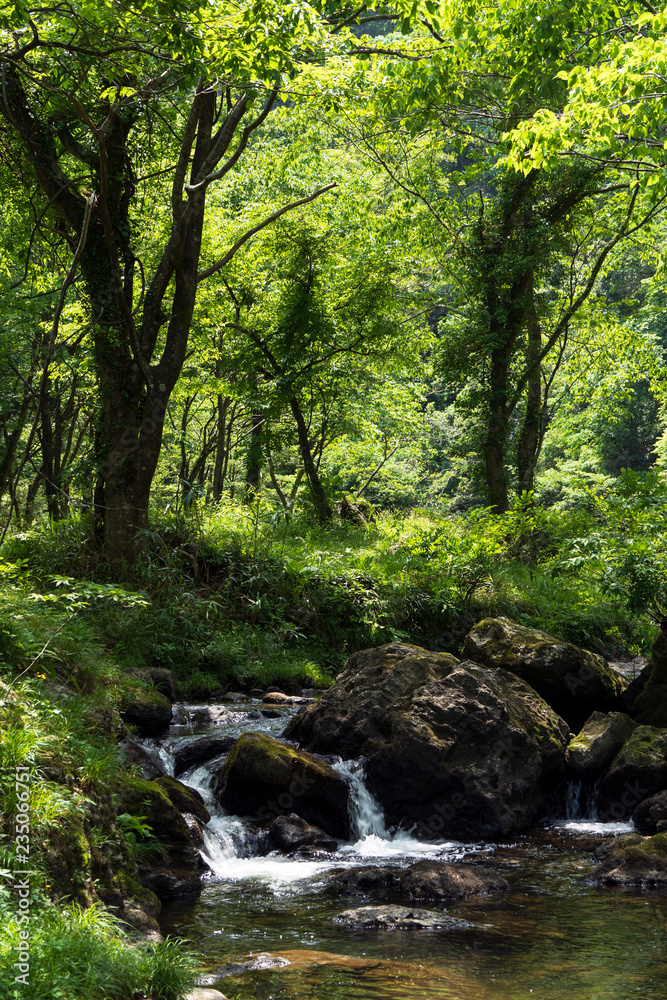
(551, 937)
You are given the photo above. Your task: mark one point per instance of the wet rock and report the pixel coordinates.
(255, 963)
(202, 993)
(196, 832)
(145, 709)
(573, 681)
(187, 755)
(263, 778)
(280, 698)
(173, 870)
(439, 880)
(186, 800)
(237, 697)
(149, 763)
(161, 679)
(459, 749)
(632, 860)
(638, 771)
(366, 878)
(270, 713)
(398, 918)
(594, 748)
(291, 833)
(275, 690)
(650, 816)
(257, 693)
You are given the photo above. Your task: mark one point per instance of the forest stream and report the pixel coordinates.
(551, 936)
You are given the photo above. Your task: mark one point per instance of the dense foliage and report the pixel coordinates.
(320, 327)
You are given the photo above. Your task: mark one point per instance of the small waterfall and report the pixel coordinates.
(581, 801)
(366, 815)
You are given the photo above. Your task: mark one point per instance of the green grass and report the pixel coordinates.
(83, 954)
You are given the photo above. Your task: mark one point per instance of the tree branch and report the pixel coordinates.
(207, 272)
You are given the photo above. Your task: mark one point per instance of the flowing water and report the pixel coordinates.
(552, 937)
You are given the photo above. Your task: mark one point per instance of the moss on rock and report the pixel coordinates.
(264, 778)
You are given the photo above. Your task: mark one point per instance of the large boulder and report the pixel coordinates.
(263, 778)
(592, 750)
(573, 681)
(647, 694)
(456, 748)
(650, 816)
(632, 860)
(638, 771)
(439, 880)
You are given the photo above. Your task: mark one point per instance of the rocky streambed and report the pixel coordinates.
(429, 827)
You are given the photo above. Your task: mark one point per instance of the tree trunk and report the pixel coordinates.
(530, 437)
(320, 501)
(254, 458)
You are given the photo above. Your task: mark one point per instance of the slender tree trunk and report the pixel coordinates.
(222, 405)
(254, 458)
(530, 437)
(320, 500)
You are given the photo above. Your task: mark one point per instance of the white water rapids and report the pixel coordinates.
(231, 848)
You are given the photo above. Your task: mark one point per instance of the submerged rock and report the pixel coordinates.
(457, 748)
(398, 918)
(256, 963)
(366, 878)
(187, 755)
(638, 771)
(573, 681)
(263, 778)
(650, 816)
(594, 748)
(439, 880)
(292, 833)
(632, 860)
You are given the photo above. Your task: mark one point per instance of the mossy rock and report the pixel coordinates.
(162, 679)
(455, 749)
(176, 873)
(146, 709)
(140, 797)
(186, 800)
(650, 816)
(573, 681)
(594, 748)
(263, 778)
(638, 771)
(68, 857)
(648, 693)
(632, 860)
